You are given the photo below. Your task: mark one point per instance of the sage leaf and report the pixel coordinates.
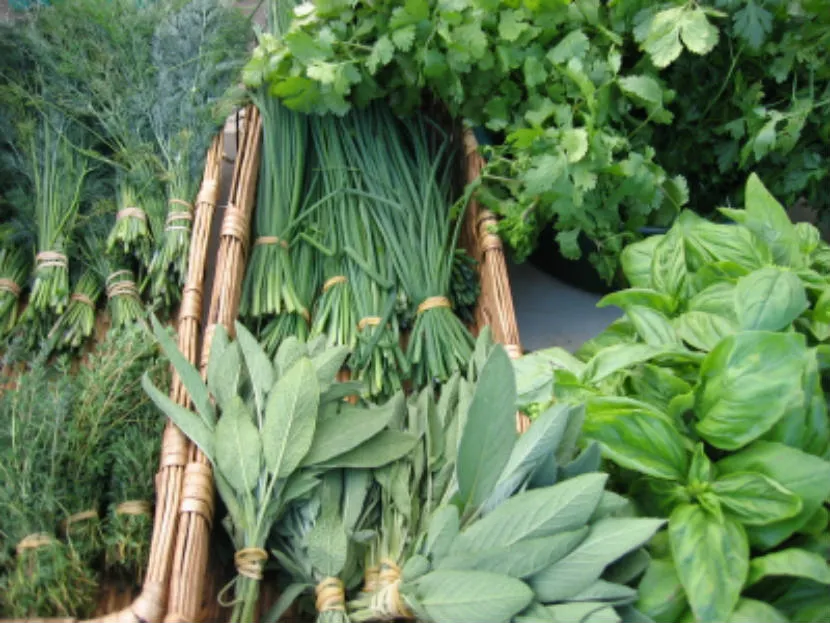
(464, 596)
(535, 613)
(188, 374)
(328, 545)
(190, 424)
(260, 369)
(791, 562)
(238, 447)
(328, 364)
(351, 427)
(589, 460)
(617, 594)
(535, 513)
(290, 419)
(489, 431)
(224, 371)
(628, 568)
(712, 582)
(519, 560)
(290, 351)
(383, 448)
(443, 529)
(608, 540)
(585, 612)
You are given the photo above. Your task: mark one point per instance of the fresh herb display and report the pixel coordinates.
(197, 51)
(708, 396)
(277, 433)
(602, 106)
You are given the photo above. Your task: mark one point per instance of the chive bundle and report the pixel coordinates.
(269, 288)
(408, 188)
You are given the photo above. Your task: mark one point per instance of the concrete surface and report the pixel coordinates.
(553, 313)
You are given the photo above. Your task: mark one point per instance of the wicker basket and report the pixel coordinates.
(192, 594)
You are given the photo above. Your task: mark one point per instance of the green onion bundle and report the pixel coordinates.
(198, 51)
(334, 313)
(58, 171)
(46, 576)
(15, 265)
(408, 184)
(304, 260)
(78, 321)
(269, 280)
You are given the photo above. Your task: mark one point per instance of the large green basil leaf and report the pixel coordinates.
(704, 330)
(657, 386)
(805, 475)
(718, 298)
(805, 601)
(791, 562)
(653, 327)
(712, 561)
(668, 265)
(746, 385)
(489, 432)
(621, 331)
(768, 220)
(661, 595)
(717, 272)
(805, 425)
(463, 596)
(619, 357)
(708, 242)
(769, 299)
(636, 261)
(700, 471)
(608, 540)
(754, 611)
(642, 297)
(635, 435)
(238, 447)
(755, 500)
(534, 373)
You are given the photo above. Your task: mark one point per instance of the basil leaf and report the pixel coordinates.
(660, 594)
(608, 540)
(640, 297)
(668, 265)
(746, 384)
(704, 330)
(238, 447)
(769, 299)
(489, 432)
(700, 471)
(636, 261)
(618, 357)
(657, 385)
(718, 298)
(807, 476)
(652, 326)
(791, 562)
(637, 436)
(753, 611)
(754, 499)
(713, 581)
